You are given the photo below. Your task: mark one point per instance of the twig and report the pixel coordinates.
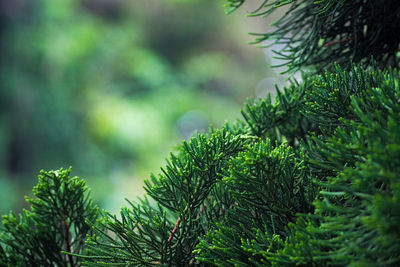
(171, 235)
(67, 243)
(337, 42)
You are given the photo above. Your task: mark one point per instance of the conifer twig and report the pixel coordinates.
(171, 235)
(337, 42)
(67, 243)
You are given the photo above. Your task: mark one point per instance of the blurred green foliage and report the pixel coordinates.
(110, 87)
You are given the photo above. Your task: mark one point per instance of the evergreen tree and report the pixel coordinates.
(311, 178)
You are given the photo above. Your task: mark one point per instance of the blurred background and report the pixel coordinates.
(111, 87)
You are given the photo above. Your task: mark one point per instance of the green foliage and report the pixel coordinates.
(56, 222)
(355, 169)
(233, 197)
(187, 199)
(269, 186)
(356, 218)
(318, 33)
(280, 120)
(270, 182)
(309, 179)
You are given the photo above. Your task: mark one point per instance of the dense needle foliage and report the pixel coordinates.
(310, 178)
(56, 222)
(318, 33)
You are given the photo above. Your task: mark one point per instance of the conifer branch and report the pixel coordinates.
(38, 237)
(374, 26)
